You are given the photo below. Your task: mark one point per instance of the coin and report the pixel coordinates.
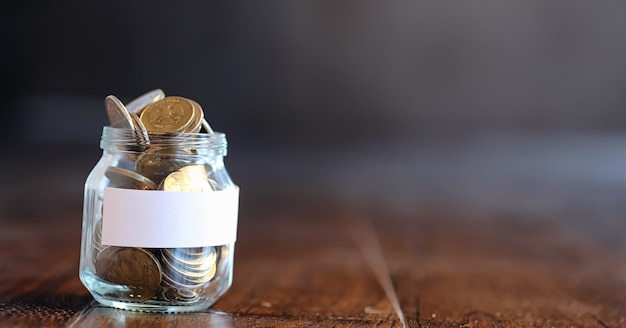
(181, 181)
(188, 267)
(136, 105)
(156, 163)
(174, 269)
(185, 279)
(117, 113)
(138, 124)
(142, 133)
(207, 276)
(187, 260)
(179, 280)
(199, 172)
(170, 114)
(135, 268)
(170, 292)
(198, 116)
(123, 178)
(207, 128)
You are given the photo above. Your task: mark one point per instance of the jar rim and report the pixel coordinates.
(128, 139)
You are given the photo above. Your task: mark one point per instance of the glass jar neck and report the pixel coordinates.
(116, 139)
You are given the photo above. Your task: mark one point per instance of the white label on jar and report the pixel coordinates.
(169, 219)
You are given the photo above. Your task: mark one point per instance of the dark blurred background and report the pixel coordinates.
(518, 106)
(323, 71)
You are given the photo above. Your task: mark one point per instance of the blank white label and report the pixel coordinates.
(169, 219)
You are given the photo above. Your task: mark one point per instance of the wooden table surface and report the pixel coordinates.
(525, 232)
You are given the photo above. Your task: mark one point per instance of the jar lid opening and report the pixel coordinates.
(132, 140)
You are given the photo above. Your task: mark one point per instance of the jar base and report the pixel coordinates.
(107, 294)
(142, 307)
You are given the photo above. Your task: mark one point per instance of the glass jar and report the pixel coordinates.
(159, 221)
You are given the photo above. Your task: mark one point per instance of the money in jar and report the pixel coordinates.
(160, 210)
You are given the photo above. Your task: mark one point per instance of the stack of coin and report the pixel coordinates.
(185, 269)
(173, 274)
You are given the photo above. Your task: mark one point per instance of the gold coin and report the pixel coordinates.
(123, 178)
(199, 172)
(181, 181)
(198, 116)
(142, 101)
(135, 268)
(170, 114)
(117, 113)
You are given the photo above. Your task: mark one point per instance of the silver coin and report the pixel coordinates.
(196, 270)
(117, 113)
(198, 267)
(191, 258)
(173, 293)
(195, 266)
(181, 273)
(206, 277)
(136, 105)
(178, 280)
(140, 128)
(207, 128)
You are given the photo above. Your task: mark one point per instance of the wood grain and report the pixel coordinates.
(310, 258)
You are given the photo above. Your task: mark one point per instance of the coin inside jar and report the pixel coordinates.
(135, 268)
(190, 260)
(156, 163)
(138, 125)
(188, 267)
(199, 172)
(170, 114)
(181, 181)
(173, 293)
(123, 178)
